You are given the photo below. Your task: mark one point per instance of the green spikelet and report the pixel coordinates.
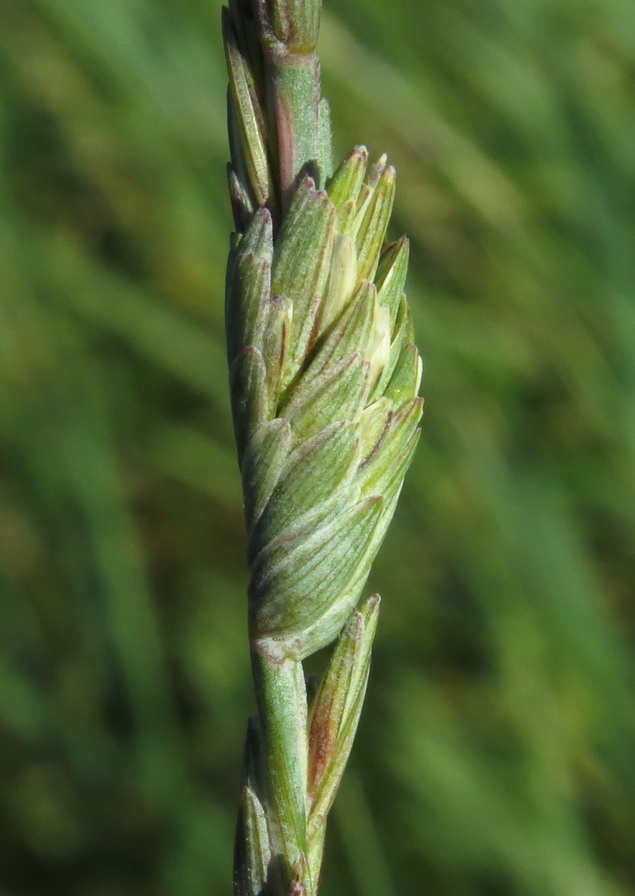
(324, 381)
(319, 352)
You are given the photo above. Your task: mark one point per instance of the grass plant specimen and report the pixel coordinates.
(324, 386)
(495, 747)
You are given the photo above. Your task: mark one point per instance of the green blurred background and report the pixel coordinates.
(496, 752)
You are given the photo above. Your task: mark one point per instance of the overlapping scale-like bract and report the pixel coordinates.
(324, 382)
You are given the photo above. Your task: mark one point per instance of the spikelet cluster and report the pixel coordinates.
(324, 383)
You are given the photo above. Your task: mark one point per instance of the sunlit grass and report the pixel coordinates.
(495, 754)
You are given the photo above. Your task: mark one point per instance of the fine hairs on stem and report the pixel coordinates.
(324, 381)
